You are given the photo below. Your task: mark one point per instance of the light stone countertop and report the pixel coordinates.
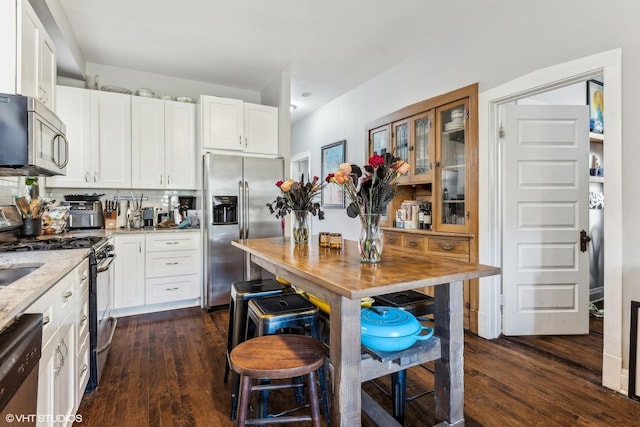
(53, 266)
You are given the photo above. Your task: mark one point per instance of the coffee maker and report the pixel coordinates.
(147, 217)
(185, 204)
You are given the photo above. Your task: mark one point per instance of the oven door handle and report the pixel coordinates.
(105, 347)
(107, 264)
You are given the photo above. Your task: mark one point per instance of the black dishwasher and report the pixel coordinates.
(20, 349)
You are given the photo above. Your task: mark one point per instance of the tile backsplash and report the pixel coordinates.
(10, 187)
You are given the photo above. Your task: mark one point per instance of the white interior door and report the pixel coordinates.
(545, 205)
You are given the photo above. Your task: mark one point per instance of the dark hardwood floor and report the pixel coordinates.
(166, 369)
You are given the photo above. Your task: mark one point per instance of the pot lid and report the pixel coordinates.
(388, 322)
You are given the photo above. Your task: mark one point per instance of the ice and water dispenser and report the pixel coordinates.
(225, 210)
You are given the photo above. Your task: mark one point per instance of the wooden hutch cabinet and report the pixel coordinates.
(439, 139)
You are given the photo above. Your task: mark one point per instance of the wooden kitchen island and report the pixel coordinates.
(338, 277)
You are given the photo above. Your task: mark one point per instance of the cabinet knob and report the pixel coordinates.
(66, 296)
(391, 240)
(447, 246)
(413, 243)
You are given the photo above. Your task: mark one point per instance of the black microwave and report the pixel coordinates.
(32, 138)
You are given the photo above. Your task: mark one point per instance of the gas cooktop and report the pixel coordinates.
(51, 243)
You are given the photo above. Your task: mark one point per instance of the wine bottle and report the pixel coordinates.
(427, 217)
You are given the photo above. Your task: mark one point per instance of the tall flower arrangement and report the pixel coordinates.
(369, 190)
(297, 196)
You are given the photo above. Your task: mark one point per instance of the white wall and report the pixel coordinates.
(516, 39)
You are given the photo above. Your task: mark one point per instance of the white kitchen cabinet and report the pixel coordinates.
(157, 271)
(60, 388)
(66, 382)
(29, 55)
(163, 144)
(129, 286)
(260, 129)
(231, 124)
(172, 267)
(99, 133)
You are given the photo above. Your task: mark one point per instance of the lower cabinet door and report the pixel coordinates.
(48, 375)
(82, 370)
(66, 381)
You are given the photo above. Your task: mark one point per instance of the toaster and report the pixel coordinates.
(85, 214)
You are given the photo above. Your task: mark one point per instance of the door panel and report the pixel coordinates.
(545, 275)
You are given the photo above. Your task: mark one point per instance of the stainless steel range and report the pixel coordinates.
(101, 324)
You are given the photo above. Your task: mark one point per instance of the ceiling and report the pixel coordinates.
(328, 47)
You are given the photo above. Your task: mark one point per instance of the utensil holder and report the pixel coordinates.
(31, 226)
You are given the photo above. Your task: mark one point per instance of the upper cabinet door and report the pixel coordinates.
(114, 139)
(260, 129)
(222, 123)
(403, 143)
(73, 106)
(453, 151)
(147, 143)
(379, 140)
(38, 59)
(180, 145)
(423, 148)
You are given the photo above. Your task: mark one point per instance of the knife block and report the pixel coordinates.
(110, 220)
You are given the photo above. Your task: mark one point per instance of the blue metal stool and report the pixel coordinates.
(291, 311)
(241, 293)
(417, 304)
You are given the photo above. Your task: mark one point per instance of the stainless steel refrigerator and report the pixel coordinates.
(236, 191)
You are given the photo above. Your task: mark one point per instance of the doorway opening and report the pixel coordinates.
(608, 65)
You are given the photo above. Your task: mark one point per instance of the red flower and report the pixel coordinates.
(329, 176)
(376, 160)
(279, 183)
(315, 178)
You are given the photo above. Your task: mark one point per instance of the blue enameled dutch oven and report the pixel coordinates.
(390, 329)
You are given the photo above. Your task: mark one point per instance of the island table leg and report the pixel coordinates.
(344, 348)
(449, 369)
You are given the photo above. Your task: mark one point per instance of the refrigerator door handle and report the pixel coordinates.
(241, 207)
(246, 211)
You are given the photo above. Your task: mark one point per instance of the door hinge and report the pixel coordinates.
(501, 132)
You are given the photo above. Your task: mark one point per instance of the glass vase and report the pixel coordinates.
(300, 226)
(371, 241)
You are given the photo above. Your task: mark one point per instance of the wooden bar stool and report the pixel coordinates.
(241, 293)
(277, 313)
(274, 357)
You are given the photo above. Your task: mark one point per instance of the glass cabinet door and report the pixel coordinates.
(422, 155)
(402, 145)
(451, 193)
(379, 141)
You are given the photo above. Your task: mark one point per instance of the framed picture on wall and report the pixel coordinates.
(332, 156)
(595, 101)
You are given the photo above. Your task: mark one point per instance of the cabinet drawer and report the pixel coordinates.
(172, 241)
(44, 305)
(414, 242)
(82, 368)
(83, 277)
(162, 264)
(83, 317)
(455, 248)
(168, 289)
(392, 239)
